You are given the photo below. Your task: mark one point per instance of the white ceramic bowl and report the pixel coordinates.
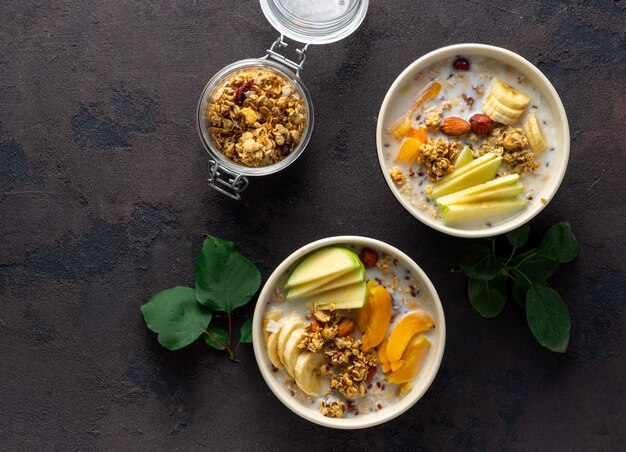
(423, 380)
(534, 77)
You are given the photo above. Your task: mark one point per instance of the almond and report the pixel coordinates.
(455, 127)
(345, 327)
(481, 124)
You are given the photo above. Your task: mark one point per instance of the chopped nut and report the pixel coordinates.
(345, 327)
(514, 139)
(369, 257)
(455, 126)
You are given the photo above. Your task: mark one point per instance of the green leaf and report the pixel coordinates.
(246, 332)
(537, 268)
(559, 244)
(519, 236)
(519, 289)
(478, 262)
(488, 297)
(225, 279)
(548, 317)
(219, 333)
(176, 316)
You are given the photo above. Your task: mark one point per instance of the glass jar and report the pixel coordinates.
(306, 21)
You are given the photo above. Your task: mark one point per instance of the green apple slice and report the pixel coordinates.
(463, 213)
(464, 158)
(352, 296)
(500, 182)
(312, 289)
(476, 175)
(469, 167)
(490, 195)
(325, 263)
(479, 193)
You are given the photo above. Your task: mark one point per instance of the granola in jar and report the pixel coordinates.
(256, 118)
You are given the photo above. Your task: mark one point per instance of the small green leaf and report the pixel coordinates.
(246, 332)
(488, 297)
(519, 289)
(559, 244)
(225, 279)
(548, 317)
(519, 236)
(478, 262)
(219, 333)
(537, 268)
(176, 316)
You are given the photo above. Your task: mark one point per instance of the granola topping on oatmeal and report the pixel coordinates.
(397, 176)
(437, 155)
(256, 118)
(333, 409)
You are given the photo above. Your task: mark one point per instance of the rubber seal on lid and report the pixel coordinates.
(315, 21)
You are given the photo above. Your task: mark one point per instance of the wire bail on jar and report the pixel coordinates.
(280, 43)
(226, 182)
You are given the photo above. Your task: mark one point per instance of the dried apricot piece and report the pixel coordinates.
(401, 127)
(409, 151)
(379, 302)
(382, 357)
(410, 325)
(420, 134)
(414, 358)
(362, 314)
(428, 92)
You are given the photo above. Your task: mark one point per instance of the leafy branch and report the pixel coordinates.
(225, 280)
(546, 313)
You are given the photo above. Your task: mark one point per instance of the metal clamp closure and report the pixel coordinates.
(280, 43)
(226, 182)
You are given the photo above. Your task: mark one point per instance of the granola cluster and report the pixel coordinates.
(437, 157)
(256, 118)
(511, 144)
(333, 409)
(351, 366)
(350, 369)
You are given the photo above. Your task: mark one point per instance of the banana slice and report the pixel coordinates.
(308, 372)
(503, 103)
(290, 324)
(291, 353)
(274, 313)
(272, 350)
(533, 132)
(500, 112)
(507, 96)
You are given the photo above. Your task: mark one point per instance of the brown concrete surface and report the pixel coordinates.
(103, 202)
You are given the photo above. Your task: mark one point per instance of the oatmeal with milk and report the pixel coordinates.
(348, 331)
(469, 141)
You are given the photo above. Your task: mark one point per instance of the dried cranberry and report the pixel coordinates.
(285, 150)
(461, 64)
(240, 94)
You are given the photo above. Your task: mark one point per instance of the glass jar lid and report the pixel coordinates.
(315, 21)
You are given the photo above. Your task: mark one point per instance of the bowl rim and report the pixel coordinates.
(376, 418)
(546, 89)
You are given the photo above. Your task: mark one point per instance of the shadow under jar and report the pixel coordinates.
(255, 116)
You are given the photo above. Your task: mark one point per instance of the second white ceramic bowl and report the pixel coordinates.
(422, 381)
(534, 77)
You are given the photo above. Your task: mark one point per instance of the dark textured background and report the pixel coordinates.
(103, 202)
